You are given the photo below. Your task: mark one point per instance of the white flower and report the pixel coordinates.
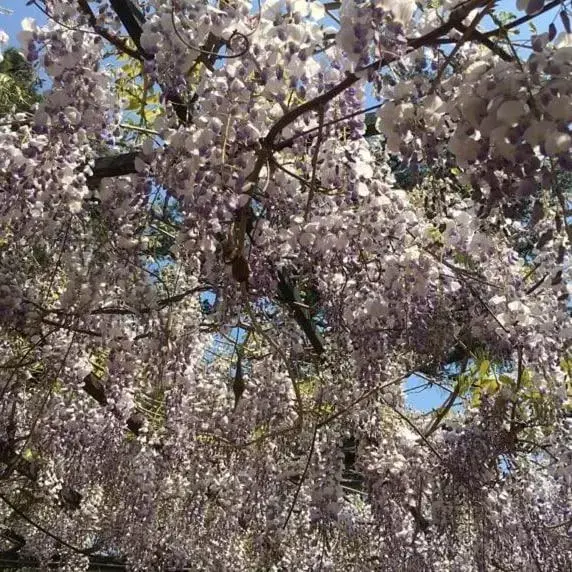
(563, 40)
(476, 70)
(510, 112)
(433, 109)
(560, 108)
(464, 148)
(535, 134)
(362, 189)
(149, 41)
(406, 111)
(72, 115)
(29, 25)
(499, 138)
(563, 56)
(315, 10)
(402, 9)
(517, 306)
(403, 89)
(28, 28)
(557, 142)
(306, 239)
(496, 300)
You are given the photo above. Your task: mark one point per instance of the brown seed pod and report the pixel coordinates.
(240, 270)
(238, 384)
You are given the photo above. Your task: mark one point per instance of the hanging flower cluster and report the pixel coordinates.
(204, 337)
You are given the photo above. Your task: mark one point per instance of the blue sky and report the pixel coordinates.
(10, 23)
(419, 396)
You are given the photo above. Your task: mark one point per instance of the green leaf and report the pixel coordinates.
(505, 17)
(464, 383)
(526, 378)
(307, 386)
(490, 385)
(506, 380)
(484, 368)
(28, 454)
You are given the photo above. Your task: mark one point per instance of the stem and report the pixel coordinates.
(303, 476)
(313, 182)
(280, 352)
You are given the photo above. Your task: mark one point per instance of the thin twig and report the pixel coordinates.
(501, 30)
(466, 35)
(75, 329)
(481, 38)
(446, 407)
(288, 142)
(61, 541)
(314, 179)
(366, 395)
(280, 352)
(303, 476)
(414, 427)
(120, 44)
(139, 129)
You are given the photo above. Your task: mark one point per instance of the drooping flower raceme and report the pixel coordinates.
(202, 348)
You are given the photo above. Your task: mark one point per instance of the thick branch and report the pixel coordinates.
(132, 19)
(483, 39)
(112, 166)
(13, 561)
(456, 18)
(117, 42)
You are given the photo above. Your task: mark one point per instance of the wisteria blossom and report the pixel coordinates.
(230, 232)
